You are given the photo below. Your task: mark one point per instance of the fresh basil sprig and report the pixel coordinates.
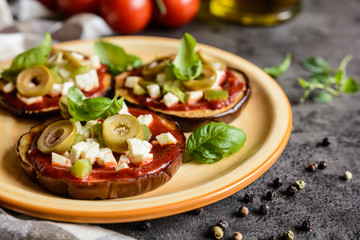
(86, 109)
(32, 57)
(187, 64)
(214, 141)
(115, 57)
(278, 70)
(324, 82)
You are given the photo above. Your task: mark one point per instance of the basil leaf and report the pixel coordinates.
(322, 97)
(338, 78)
(115, 57)
(214, 141)
(322, 78)
(278, 70)
(303, 83)
(350, 86)
(86, 109)
(316, 65)
(187, 64)
(29, 58)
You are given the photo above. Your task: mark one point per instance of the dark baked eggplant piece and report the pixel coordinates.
(104, 182)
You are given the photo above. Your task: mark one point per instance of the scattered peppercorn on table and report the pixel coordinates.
(312, 190)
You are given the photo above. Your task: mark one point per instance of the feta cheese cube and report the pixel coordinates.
(76, 151)
(65, 74)
(90, 123)
(66, 86)
(141, 159)
(91, 152)
(121, 166)
(131, 81)
(138, 147)
(193, 96)
(124, 109)
(166, 138)
(57, 159)
(9, 87)
(87, 81)
(30, 100)
(153, 91)
(56, 89)
(106, 158)
(86, 131)
(220, 76)
(91, 140)
(145, 119)
(124, 159)
(95, 61)
(56, 58)
(170, 99)
(77, 55)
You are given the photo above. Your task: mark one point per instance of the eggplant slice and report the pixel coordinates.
(190, 120)
(102, 183)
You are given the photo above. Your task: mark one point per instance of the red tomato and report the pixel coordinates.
(72, 7)
(178, 12)
(51, 4)
(126, 16)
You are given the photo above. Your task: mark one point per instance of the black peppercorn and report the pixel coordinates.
(243, 211)
(306, 226)
(312, 167)
(291, 190)
(263, 209)
(325, 142)
(145, 225)
(199, 211)
(277, 183)
(248, 197)
(223, 224)
(322, 165)
(270, 195)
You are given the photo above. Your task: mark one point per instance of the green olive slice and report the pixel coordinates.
(155, 67)
(57, 137)
(216, 63)
(34, 81)
(74, 62)
(119, 128)
(63, 106)
(206, 79)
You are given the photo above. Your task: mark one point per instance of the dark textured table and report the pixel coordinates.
(323, 28)
(329, 29)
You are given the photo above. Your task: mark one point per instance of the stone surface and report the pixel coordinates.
(324, 28)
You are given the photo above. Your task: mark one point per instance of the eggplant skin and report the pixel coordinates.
(50, 111)
(191, 120)
(94, 189)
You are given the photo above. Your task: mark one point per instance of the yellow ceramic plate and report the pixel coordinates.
(266, 119)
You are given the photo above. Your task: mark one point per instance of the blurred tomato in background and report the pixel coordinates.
(72, 7)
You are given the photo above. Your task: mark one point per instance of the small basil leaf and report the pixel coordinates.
(322, 97)
(187, 64)
(115, 57)
(316, 65)
(303, 83)
(214, 141)
(350, 86)
(338, 77)
(278, 70)
(29, 58)
(322, 78)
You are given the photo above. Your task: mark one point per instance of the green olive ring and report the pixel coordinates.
(119, 128)
(57, 137)
(34, 81)
(155, 67)
(63, 106)
(208, 78)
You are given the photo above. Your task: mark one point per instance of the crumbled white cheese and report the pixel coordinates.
(106, 158)
(56, 58)
(121, 166)
(95, 61)
(9, 87)
(131, 81)
(124, 159)
(86, 131)
(124, 109)
(76, 151)
(57, 159)
(81, 150)
(77, 55)
(139, 151)
(219, 77)
(193, 96)
(30, 100)
(66, 86)
(87, 81)
(145, 119)
(141, 159)
(166, 138)
(170, 99)
(153, 91)
(65, 74)
(56, 89)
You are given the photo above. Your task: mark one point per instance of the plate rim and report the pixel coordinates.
(166, 209)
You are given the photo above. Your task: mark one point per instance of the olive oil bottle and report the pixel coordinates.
(255, 12)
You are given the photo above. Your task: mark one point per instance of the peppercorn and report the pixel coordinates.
(145, 226)
(306, 226)
(199, 211)
(288, 235)
(277, 183)
(243, 211)
(217, 232)
(270, 195)
(223, 224)
(237, 236)
(347, 175)
(322, 165)
(263, 209)
(291, 190)
(248, 197)
(312, 167)
(300, 184)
